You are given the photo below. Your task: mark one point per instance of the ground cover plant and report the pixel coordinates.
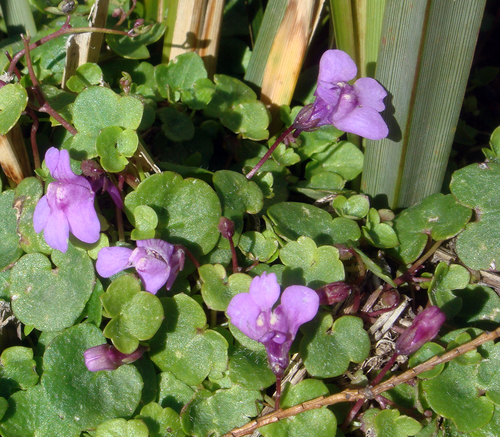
(226, 218)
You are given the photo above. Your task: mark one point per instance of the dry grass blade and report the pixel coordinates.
(13, 156)
(287, 55)
(85, 47)
(196, 28)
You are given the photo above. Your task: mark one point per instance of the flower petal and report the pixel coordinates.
(80, 211)
(161, 247)
(112, 260)
(243, 312)
(300, 304)
(153, 272)
(265, 291)
(363, 121)
(176, 265)
(57, 162)
(56, 231)
(41, 214)
(336, 66)
(370, 93)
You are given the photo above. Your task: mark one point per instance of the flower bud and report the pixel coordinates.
(423, 329)
(107, 357)
(226, 227)
(333, 292)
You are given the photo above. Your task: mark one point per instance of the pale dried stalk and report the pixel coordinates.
(13, 156)
(85, 47)
(364, 393)
(197, 28)
(287, 55)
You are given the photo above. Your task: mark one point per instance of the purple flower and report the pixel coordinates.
(423, 329)
(107, 357)
(350, 108)
(68, 205)
(156, 261)
(253, 314)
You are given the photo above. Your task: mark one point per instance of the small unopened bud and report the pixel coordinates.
(333, 292)
(423, 329)
(66, 6)
(117, 12)
(139, 22)
(226, 227)
(107, 357)
(91, 169)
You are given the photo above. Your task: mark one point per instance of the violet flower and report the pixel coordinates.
(423, 329)
(350, 108)
(68, 205)
(107, 357)
(253, 314)
(156, 261)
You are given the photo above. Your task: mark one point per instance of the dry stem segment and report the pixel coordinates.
(365, 393)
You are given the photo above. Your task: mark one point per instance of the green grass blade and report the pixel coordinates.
(18, 18)
(424, 62)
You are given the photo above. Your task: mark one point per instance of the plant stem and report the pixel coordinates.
(350, 395)
(270, 151)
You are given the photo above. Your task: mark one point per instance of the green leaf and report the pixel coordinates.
(146, 221)
(477, 186)
(426, 352)
(453, 394)
(296, 219)
(10, 248)
(30, 413)
(217, 289)
(256, 246)
(52, 299)
(250, 369)
(135, 48)
(309, 265)
(217, 413)
(437, 216)
(381, 235)
(17, 370)
(182, 346)
(173, 393)
(445, 279)
(188, 210)
(122, 428)
(389, 423)
(355, 207)
(114, 110)
(137, 315)
(176, 125)
(161, 422)
(85, 75)
(343, 158)
(114, 145)
(13, 100)
(318, 423)
(236, 105)
(87, 398)
(327, 348)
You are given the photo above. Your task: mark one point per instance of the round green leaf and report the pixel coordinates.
(17, 370)
(188, 210)
(143, 315)
(161, 422)
(87, 398)
(176, 125)
(327, 348)
(250, 369)
(295, 219)
(173, 393)
(10, 248)
(122, 428)
(309, 265)
(426, 352)
(478, 186)
(13, 100)
(217, 413)
(318, 423)
(114, 145)
(135, 48)
(52, 299)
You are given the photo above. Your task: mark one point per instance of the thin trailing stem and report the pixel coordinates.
(270, 151)
(65, 29)
(350, 395)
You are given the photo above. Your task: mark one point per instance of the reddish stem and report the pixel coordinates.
(270, 151)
